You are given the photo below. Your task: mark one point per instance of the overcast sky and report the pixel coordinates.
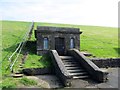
(81, 12)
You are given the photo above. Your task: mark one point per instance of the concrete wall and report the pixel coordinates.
(51, 41)
(38, 71)
(106, 62)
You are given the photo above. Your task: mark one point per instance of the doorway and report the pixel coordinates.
(60, 45)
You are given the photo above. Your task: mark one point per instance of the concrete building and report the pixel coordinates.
(56, 38)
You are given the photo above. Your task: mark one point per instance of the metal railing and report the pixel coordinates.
(26, 37)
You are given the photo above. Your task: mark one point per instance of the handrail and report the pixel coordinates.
(60, 69)
(57, 58)
(95, 72)
(26, 37)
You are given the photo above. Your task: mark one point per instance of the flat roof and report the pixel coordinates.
(52, 29)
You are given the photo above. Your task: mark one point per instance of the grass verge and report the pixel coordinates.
(27, 82)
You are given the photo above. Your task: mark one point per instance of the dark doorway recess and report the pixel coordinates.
(60, 45)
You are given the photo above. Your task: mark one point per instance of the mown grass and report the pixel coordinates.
(8, 83)
(12, 35)
(100, 41)
(27, 82)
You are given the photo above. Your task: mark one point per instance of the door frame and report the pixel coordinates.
(60, 43)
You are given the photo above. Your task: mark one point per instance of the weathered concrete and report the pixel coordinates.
(57, 29)
(56, 32)
(106, 62)
(74, 68)
(60, 69)
(51, 81)
(37, 71)
(46, 81)
(112, 83)
(90, 67)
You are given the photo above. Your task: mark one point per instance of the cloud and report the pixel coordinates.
(82, 12)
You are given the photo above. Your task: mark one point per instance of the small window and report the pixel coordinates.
(45, 43)
(72, 43)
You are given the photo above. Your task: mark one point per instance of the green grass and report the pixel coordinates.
(27, 82)
(41, 61)
(12, 35)
(100, 41)
(8, 83)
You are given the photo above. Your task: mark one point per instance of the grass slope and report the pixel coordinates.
(12, 35)
(100, 41)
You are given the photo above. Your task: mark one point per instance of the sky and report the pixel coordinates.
(80, 12)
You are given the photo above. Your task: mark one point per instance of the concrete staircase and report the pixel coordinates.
(74, 68)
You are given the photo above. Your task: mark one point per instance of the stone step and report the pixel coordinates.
(79, 74)
(69, 60)
(76, 70)
(65, 62)
(71, 63)
(81, 77)
(73, 68)
(17, 75)
(66, 57)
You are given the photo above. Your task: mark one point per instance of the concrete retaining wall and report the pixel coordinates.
(37, 71)
(106, 62)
